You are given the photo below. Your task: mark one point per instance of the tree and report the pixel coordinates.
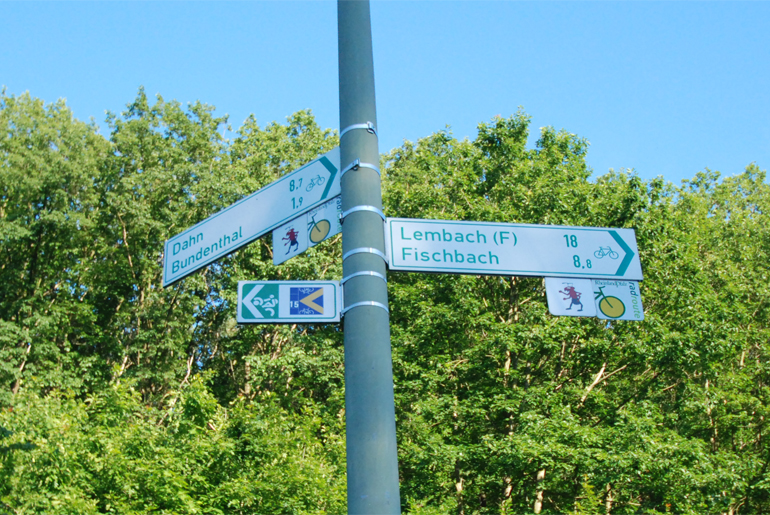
(48, 165)
(108, 356)
(501, 404)
(121, 396)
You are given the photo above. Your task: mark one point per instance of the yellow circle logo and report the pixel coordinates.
(319, 231)
(613, 307)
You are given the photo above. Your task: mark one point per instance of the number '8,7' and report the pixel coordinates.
(293, 185)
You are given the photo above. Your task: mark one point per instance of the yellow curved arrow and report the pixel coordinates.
(308, 301)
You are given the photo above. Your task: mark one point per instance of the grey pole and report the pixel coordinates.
(372, 458)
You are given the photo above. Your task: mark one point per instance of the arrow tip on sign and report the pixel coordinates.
(627, 258)
(249, 298)
(332, 173)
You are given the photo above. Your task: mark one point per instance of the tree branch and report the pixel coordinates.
(598, 379)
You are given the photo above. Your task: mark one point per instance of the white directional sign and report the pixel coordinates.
(250, 218)
(308, 230)
(511, 249)
(289, 302)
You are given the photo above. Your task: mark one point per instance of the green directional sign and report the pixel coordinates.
(251, 217)
(289, 302)
(460, 247)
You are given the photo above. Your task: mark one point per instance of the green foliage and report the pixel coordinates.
(120, 396)
(112, 454)
(140, 398)
(48, 162)
(664, 415)
(589, 502)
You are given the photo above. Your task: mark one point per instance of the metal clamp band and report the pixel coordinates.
(366, 303)
(363, 208)
(355, 165)
(369, 126)
(364, 273)
(364, 250)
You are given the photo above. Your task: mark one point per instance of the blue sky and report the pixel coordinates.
(666, 88)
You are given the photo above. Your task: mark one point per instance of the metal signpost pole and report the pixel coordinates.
(372, 459)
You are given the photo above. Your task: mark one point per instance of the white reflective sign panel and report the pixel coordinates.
(511, 249)
(570, 297)
(295, 237)
(288, 302)
(618, 300)
(250, 218)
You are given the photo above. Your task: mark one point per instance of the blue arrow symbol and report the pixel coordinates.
(627, 258)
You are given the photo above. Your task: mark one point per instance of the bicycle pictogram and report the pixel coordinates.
(611, 306)
(317, 231)
(606, 251)
(317, 180)
(266, 304)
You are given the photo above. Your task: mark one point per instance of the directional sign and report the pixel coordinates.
(250, 218)
(308, 230)
(288, 302)
(511, 249)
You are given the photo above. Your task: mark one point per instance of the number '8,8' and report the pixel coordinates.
(576, 261)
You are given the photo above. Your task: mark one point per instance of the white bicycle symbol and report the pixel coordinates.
(266, 304)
